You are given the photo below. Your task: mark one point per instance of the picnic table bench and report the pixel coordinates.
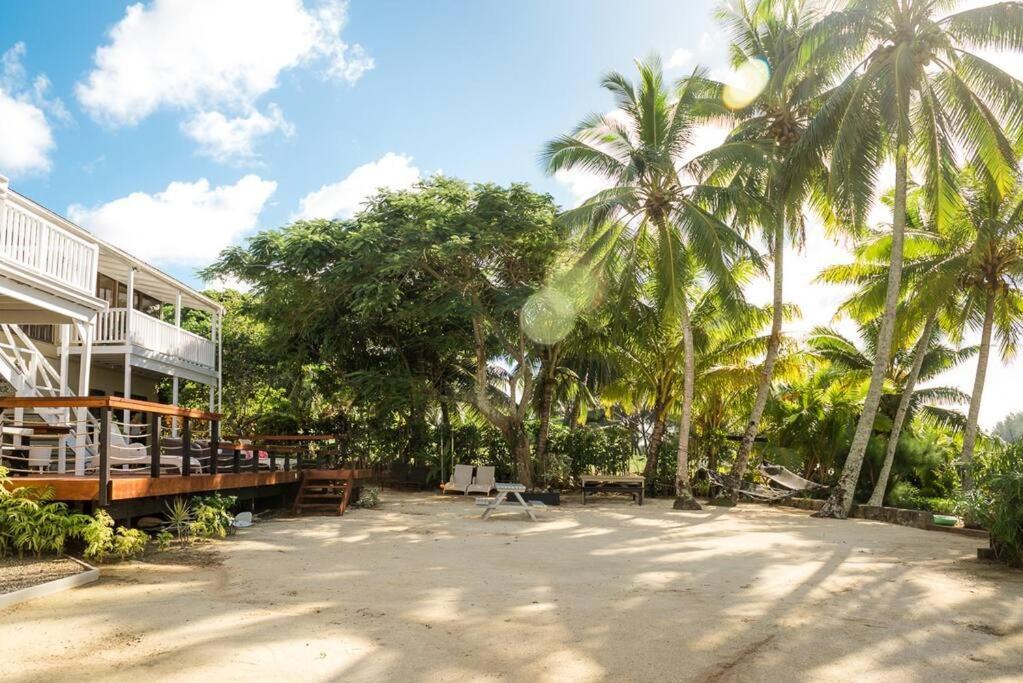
(501, 500)
(630, 484)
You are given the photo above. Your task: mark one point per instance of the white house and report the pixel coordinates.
(79, 316)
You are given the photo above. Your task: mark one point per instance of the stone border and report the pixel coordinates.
(915, 519)
(50, 587)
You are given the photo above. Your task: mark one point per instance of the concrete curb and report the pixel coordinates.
(50, 587)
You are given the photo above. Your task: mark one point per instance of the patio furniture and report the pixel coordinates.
(484, 481)
(461, 479)
(501, 500)
(788, 479)
(754, 491)
(40, 457)
(629, 484)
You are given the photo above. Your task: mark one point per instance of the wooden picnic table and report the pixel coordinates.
(500, 500)
(631, 484)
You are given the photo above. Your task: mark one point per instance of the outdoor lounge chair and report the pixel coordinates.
(461, 479)
(485, 480)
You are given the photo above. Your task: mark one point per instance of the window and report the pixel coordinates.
(106, 288)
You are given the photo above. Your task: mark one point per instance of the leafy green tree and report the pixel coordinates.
(655, 210)
(915, 94)
(1010, 427)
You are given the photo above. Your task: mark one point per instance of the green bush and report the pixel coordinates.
(369, 497)
(102, 540)
(904, 495)
(996, 501)
(212, 516)
(30, 521)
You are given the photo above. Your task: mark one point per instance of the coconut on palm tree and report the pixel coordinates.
(652, 208)
(916, 95)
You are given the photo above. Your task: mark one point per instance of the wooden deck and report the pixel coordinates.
(131, 487)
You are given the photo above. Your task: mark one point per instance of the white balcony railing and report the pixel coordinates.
(30, 238)
(128, 326)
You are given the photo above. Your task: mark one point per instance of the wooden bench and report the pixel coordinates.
(632, 485)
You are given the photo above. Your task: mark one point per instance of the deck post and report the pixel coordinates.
(273, 459)
(174, 400)
(236, 464)
(215, 446)
(104, 456)
(255, 457)
(154, 444)
(186, 446)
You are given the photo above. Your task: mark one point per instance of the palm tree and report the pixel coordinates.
(915, 93)
(993, 285)
(653, 202)
(754, 153)
(930, 289)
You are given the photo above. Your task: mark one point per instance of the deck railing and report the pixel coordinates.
(35, 442)
(123, 326)
(31, 238)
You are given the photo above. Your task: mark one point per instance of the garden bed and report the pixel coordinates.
(33, 577)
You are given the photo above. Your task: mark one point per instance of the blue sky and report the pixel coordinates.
(469, 88)
(176, 128)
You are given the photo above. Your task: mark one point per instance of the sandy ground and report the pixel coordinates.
(423, 590)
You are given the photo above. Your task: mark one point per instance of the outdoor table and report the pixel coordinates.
(614, 483)
(500, 500)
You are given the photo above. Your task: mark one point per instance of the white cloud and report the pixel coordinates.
(213, 56)
(679, 59)
(344, 198)
(226, 139)
(26, 137)
(185, 224)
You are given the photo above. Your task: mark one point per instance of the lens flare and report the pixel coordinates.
(748, 81)
(548, 316)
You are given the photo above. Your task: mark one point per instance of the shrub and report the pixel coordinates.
(179, 518)
(212, 519)
(904, 495)
(29, 521)
(996, 502)
(369, 497)
(163, 539)
(101, 539)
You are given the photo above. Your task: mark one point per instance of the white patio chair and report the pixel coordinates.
(461, 479)
(40, 457)
(485, 480)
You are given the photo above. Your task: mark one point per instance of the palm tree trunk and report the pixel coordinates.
(684, 499)
(970, 435)
(653, 447)
(877, 497)
(840, 502)
(767, 370)
(546, 401)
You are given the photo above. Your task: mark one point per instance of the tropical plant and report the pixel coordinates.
(917, 95)
(996, 502)
(31, 522)
(179, 517)
(1010, 428)
(652, 211)
(767, 35)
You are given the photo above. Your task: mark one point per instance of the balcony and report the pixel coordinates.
(32, 240)
(125, 326)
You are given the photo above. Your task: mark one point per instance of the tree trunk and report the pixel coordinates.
(767, 370)
(653, 447)
(840, 502)
(445, 429)
(546, 399)
(518, 442)
(877, 497)
(970, 435)
(684, 499)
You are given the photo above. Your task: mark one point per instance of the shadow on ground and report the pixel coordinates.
(422, 589)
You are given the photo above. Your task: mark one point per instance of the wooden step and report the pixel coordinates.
(323, 490)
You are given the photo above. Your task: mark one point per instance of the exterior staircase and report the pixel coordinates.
(31, 374)
(324, 491)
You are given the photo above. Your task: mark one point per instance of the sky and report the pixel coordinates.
(175, 129)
